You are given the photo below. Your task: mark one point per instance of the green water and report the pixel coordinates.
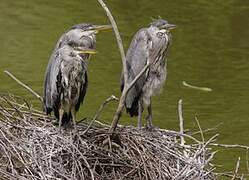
(210, 48)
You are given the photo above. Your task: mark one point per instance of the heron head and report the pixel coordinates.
(84, 35)
(92, 28)
(87, 30)
(163, 24)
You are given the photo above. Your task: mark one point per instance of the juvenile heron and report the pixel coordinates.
(149, 46)
(66, 75)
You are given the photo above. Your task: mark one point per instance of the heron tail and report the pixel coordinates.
(66, 118)
(132, 109)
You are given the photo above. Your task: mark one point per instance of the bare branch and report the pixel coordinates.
(199, 126)
(111, 98)
(126, 89)
(236, 169)
(247, 161)
(230, 146)
(122, 53)
(118, 37)
(181, 121)
(24, 85)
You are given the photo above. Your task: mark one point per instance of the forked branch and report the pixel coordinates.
(127, 86)
(118, 37)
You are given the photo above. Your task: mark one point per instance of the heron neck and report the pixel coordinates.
(67, 50)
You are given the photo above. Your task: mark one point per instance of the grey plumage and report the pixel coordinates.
(148, 45)
(66, 75)
(69, 83)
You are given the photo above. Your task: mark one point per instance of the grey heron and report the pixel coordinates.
(149, 45)
(66, 75)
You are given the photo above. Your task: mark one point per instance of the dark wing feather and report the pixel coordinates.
(52, 84)
(83, 90)
(137, 57)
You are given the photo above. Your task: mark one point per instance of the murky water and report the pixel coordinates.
(210, 48)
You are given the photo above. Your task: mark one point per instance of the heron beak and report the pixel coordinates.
(87, 51)
(102, 28)
(169, 26)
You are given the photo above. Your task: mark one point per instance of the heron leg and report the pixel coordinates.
(61, 112)
(149, 117)
(74, 118)
(139, 118)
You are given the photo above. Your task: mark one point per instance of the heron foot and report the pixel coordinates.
(139, 126)
(55, 122)
(75, 132)
(150, 127)
(59, 130)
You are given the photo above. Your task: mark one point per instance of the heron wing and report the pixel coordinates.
(52, 83)
(53, 67)
(137, 57)
(83, 89)
(52, 71)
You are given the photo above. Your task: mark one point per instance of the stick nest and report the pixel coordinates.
(31, 147)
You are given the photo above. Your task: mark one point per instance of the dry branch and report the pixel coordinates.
(117, 35)
(180, 116)
(230, 146)
(111, 98)
(127, 86)
(24, 85)
(122, 53)
(236, 169)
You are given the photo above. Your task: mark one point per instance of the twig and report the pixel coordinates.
(230, 146)
(236, 169)
(111, 98)
(122, 53)
(181, 121)
(199, 126)
(206, 130)
(118, 37)
(184, 83)
(126, 89)
(247, 163)
(24, 85)
(228, 174)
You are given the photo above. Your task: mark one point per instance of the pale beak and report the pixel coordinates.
(86, 51)
(169, 26)
(102, 28)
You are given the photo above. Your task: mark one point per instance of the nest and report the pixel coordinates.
(31, 147)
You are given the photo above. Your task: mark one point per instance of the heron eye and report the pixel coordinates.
(160, 34)
(72, 44)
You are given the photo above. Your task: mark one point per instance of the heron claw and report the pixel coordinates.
(150, 127)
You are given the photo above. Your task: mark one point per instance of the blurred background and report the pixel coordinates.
(210, 48)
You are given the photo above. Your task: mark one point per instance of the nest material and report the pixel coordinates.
(31, 147)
